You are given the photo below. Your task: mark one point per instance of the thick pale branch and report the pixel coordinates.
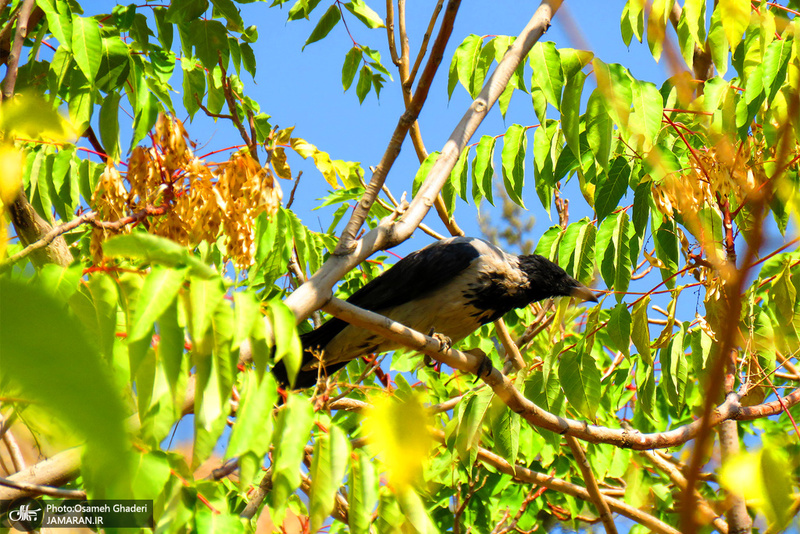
(317, 291)
(54, 471)
(504, 388)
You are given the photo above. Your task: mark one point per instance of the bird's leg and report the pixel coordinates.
(485, 367)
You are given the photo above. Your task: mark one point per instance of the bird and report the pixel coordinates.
(451, 287)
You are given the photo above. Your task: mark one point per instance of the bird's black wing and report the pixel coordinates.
(411, 278)
(416, 275)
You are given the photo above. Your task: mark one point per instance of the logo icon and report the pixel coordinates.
(26, 515)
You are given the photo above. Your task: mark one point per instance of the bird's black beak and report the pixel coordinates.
(582, 292)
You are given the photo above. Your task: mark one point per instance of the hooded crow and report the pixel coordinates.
(452, 287)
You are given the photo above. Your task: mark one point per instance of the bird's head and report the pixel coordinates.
(549, 280)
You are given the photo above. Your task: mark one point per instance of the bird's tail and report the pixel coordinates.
(313, 342)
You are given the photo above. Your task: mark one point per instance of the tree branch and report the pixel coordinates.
(523, 474)
(16, 49)
(677, 478)
(533, 414)
(597, 498)
(346, 244)
(314, 294)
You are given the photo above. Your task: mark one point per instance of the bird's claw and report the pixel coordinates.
(485, 367)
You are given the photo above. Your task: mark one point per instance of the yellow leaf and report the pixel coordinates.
(11, 165)
(735, 18)
(323, 162)
(303, 147)
(399, 432)
(741, 476)
(280, 165)
(31, 117)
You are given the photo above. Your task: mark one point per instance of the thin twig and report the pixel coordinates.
(346, 242)
(423, 48)
(597, 498)
(37, 489)
(677, 478)
(513, 359)
(523, 474)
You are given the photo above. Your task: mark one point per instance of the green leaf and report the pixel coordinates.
(465, 60)
(549, 244)
(146, 115)
(364, 83)
(302, 9)
(483, 169)
(114, 64)
(718, 43)
(185, 10)
(619, 328)
(506, 432)
(614, 83)
(351, 62)
(328, 466)
(295, 420)
(784, 293)
(86, 45)
(362, 492)
(109, 126)
(459, 174)
(580, 379)
(331, 17)
(656, 26)
(104, 295)
(365, 14)
(159, 250)
(164, 27)
(613, 253)
(63, 374)
(648, 108)
(570, 113)
(640, 333)
(646, 389)
(515, 144)
(160, 288)
(778, 485)
(612, 188)
(666, 245)
(599, 128)
(547, 74)
(422, 173)
(694, 15)
(675, 369)
(776, 61)
(252, 432)
(210, 41)
(287, 344)
(248, 59)
(59, 21)
(470, 428)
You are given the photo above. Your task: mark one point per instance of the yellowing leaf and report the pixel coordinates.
(11, 164)
(34, 118)
(321, 159)
(735, 17)
(398, 431)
